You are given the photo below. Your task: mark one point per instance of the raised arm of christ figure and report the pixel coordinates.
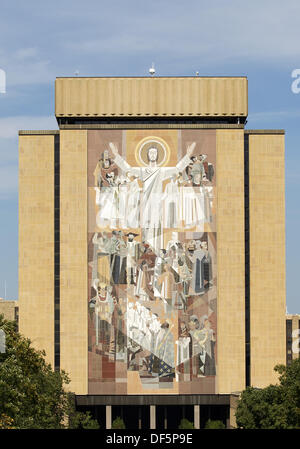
(152, 177)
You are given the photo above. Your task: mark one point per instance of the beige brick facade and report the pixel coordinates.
(36, 241)
(267, 256)
(231, 266)
(73, 260)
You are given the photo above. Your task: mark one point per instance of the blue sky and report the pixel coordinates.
(42, 40)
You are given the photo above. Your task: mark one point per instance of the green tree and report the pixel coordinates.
(79, 420)
(211, 424)
(83, 421)
(273, 407)
(289, 378)
(118, 423)
(186, 424)
(32, 395)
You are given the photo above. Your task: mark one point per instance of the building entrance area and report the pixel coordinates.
(159, 416)
(170, 416)
(134, 417)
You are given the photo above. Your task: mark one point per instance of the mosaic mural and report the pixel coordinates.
(152, 256)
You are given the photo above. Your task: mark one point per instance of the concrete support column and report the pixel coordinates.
(140, 417)
(197, 416)
(108, 416)
(165, 418)
(152, 417)
(234, 399)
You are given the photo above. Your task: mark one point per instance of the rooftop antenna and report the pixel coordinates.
(152, 70)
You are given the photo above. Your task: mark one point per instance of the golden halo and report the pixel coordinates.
(143, 146)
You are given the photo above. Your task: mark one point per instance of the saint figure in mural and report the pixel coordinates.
(133, 251)
(103, 170)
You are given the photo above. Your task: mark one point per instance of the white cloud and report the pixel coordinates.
(178, 35)
(26, 53)
(23, 71)
(211, 33)
(272, 116)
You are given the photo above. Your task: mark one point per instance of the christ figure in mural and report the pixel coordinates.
(152, 177)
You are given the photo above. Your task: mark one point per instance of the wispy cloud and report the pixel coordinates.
(106, 38)
(212, 33)
(27, 66)
(273, 115)
(9, 126)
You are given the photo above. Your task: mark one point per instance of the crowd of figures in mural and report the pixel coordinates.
(153, 289)
(186, 200)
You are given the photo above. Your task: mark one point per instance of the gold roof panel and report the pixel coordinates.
(151, 97)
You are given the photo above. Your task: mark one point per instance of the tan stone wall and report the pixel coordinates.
(36, 241)
(7, 308)
(231, 266)
(73, 259)
(267, 256)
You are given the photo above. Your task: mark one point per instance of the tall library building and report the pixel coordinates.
(152, 247)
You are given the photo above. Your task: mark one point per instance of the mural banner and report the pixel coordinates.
(152, 261)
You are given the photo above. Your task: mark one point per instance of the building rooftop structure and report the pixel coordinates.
(10, 309)
(224, 97)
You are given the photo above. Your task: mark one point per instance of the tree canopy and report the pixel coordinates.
(32, 395)
(273, 407)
